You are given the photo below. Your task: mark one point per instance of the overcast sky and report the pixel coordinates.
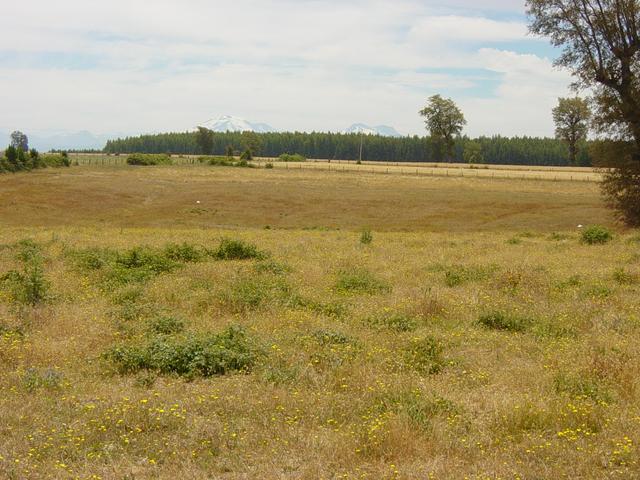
(134, 66)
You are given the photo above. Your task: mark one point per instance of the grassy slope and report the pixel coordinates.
(557, 399)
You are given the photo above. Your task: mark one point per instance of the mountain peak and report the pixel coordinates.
(229, 123)
(382, 130)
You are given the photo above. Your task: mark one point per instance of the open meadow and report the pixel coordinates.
(206, 322)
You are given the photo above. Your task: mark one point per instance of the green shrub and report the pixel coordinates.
(366, 237)
(360, 280)
(230, 249)
(91, 259)
(247, 155)
(596, 235)
(148, 159)
(217, 161)
(285, 157)
(165, 325)
(203, 355)
(425, 355)
(29, 287)
(268, 165)
(55, 160)
(184, 253)
(505, 321)
(28, 251)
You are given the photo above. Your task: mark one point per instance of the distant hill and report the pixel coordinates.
(228, 123)
(383, 130)
(82, 140)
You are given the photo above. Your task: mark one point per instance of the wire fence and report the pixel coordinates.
(556, 174)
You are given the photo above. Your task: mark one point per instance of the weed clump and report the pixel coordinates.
(184, 253)
(596, 235)
(581, 386)
(397, 322)
(331, 337)
(458, 274)
(202, 355)
(28, 286)
(252, 292)
(425, 355)
(230, 249)
(366, 237)
(360, 280)
(49, 378)
(505, 322)
(166, 325)
(623, 277)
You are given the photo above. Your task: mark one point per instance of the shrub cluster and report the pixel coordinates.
(285, 157)
(225, 162)
(148, 159)
(596, 235)
(29, 285)
(203, 355)
(19, 160)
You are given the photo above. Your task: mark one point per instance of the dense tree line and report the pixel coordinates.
(494, 150)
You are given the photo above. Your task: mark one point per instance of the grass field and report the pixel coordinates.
(471, 335)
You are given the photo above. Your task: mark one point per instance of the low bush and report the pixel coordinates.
(148, 159)
(184, 252)
(596, 235)
(203, 355)
(230, 249)
(425, 355)
(268, 165)
(55, 160)
(285, 157)
(360, 280)
(505, 322)
(166, 325)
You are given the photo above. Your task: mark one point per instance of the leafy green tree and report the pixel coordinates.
(251, 142)
(204, 139)
(229, 151)
(11, 153)
(473, 152)
(571, 117)
(601, 47)
(444, 121)
(19, 140)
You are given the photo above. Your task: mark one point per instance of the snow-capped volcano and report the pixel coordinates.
(383, 130)
(227, 123)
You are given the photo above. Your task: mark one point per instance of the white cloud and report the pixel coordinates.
(132, 66)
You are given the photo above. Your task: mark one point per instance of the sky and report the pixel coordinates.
(135, 66)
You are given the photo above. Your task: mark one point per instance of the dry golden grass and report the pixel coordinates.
(238, 198)
(342, 389)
